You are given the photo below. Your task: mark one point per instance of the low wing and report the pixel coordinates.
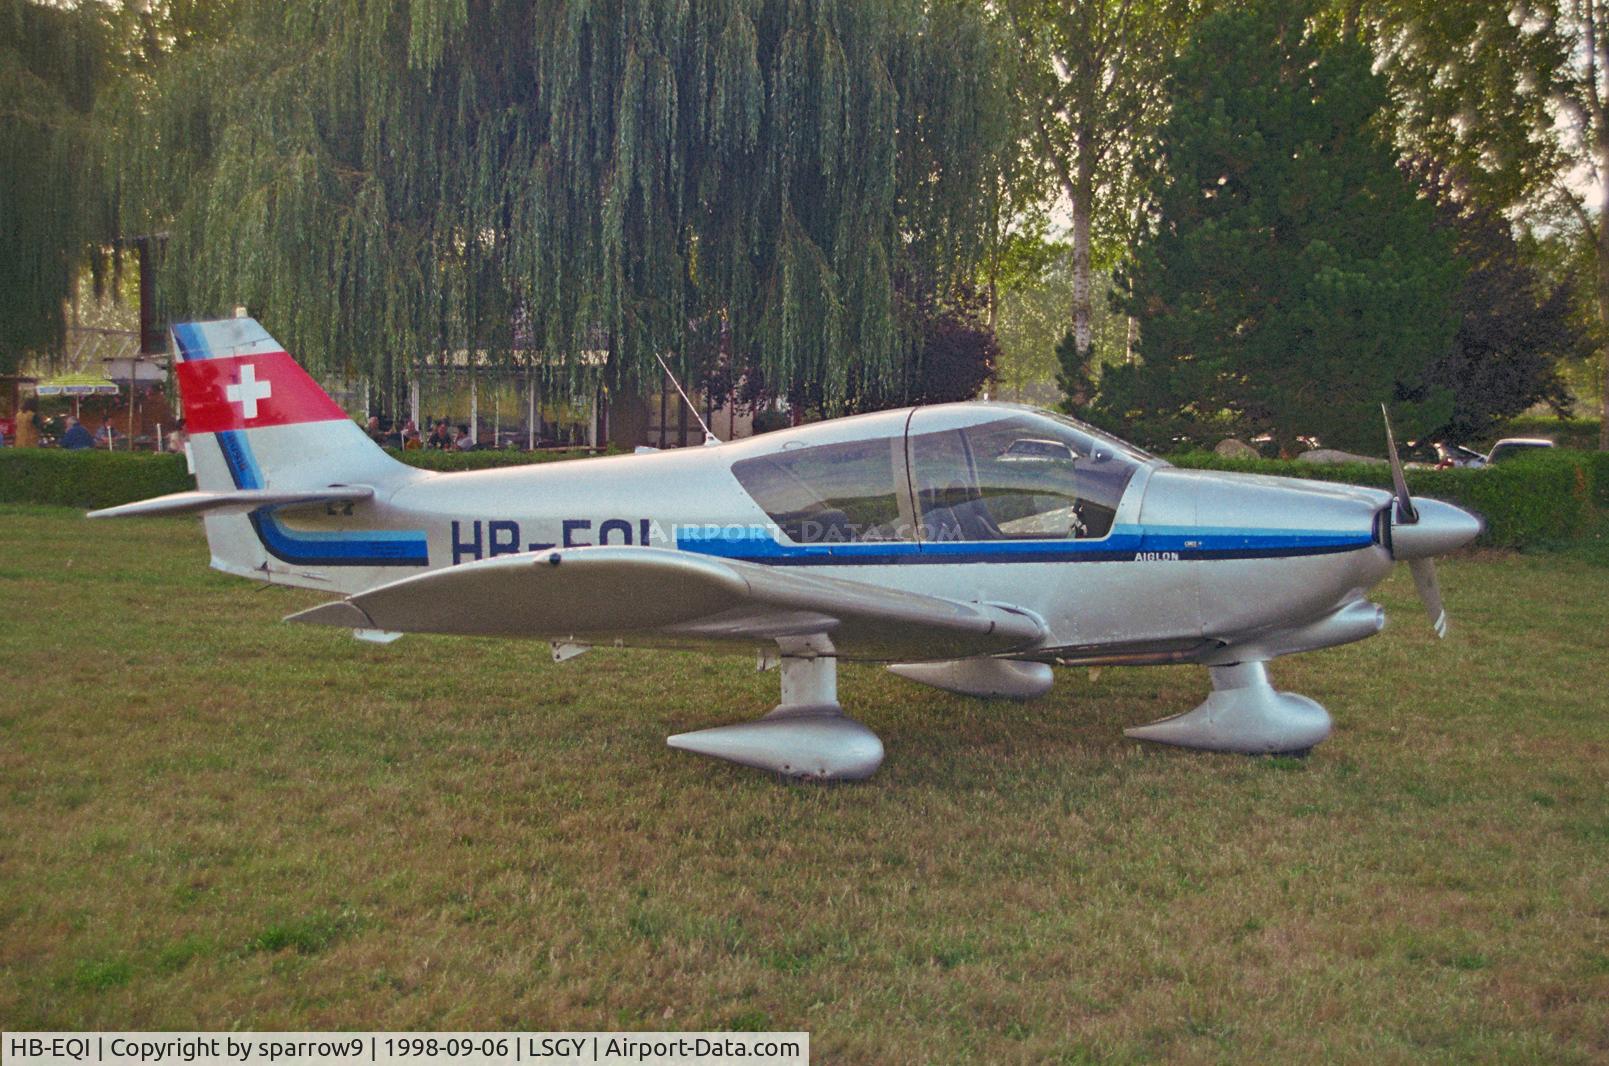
(237, 501)
(658, 596)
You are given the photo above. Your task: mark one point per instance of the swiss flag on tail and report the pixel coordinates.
(251, 391)
(233, 375)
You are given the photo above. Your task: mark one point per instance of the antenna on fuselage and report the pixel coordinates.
(709, 435)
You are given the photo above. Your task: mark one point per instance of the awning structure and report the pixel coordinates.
(145, 370)
(77, 385)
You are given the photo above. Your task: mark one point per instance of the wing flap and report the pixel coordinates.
(236, 501)
(616, 591)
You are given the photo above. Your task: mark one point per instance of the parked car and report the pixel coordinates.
(1509, 447)
(1456, 455)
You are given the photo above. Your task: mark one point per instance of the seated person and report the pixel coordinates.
(77, 437)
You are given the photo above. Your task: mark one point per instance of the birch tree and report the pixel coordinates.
(1583, 26)
(1090, 84)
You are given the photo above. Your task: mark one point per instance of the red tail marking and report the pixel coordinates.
(249, 392)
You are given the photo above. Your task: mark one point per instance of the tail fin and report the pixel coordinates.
(260, 425)
(257, 420)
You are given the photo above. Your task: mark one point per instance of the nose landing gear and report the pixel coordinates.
(1245, 715)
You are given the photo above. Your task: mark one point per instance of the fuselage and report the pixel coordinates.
(1123, 557)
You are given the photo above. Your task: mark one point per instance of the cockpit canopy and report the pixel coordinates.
(963, 472)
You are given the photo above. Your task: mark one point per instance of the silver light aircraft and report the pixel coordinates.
(970, 546)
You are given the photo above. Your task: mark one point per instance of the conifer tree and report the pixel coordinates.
(1294, 281)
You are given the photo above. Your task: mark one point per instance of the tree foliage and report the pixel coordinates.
(1582, 28)
(1075, 375)
(959, 352)
(1514, 326)
(1294, 281)
(1089, 93)
(1032, 327)
(389, 181)
(1512, 102)
(953, 355)
(53, 63)
(1473, 85)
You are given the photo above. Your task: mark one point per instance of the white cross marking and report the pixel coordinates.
(249, 391)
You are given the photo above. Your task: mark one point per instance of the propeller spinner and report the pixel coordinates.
(1420, 531)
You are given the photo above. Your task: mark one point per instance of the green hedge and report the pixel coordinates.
(1538, 498)
(93, 479)
(431, 459)
(1599, 464)
(88, 478)
(1549, 496)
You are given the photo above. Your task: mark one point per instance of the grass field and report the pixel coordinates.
(211, 820)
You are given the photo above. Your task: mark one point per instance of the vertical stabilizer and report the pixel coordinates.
(257, 420)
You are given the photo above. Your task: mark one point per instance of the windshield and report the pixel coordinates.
(1024, 476)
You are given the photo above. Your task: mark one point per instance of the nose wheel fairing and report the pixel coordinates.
(806, 736)
(811, 743)
(1243, 715)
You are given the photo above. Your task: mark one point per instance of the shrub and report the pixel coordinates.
(88, 479)
(1599, 463)
(431, 459)
(92, 479)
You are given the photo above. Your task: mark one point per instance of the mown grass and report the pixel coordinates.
(210, 820)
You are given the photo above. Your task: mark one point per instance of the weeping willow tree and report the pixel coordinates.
(758, 181)
(53, 62)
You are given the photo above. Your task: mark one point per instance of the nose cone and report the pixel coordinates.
(1441, 528)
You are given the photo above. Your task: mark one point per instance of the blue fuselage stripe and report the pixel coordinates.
(366, 548)
(1124, 544)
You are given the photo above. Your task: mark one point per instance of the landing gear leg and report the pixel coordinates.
(807, 735)
(1243, 714)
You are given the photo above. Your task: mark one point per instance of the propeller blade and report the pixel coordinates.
(1424, 579)
(1406, 513)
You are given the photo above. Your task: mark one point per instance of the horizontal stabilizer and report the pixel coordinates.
(236, 501)
(676, 598)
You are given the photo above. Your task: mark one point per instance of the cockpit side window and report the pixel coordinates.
(1017, 478)
(833, 493)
